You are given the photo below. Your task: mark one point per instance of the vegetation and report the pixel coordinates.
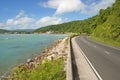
(106, 41)
(48, 70)
(19, 31)
(70, 27)
(107, 23)
(3, 31)
(73, 35)
(105, 26)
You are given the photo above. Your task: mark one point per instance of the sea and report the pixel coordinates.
(17, 48)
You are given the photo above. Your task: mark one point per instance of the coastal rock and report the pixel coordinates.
(59, 50)
(29, 60)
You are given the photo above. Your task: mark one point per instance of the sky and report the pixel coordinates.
(33, 14)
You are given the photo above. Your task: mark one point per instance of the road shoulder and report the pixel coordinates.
(85, 71)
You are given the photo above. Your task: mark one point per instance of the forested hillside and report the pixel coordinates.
(3, 31)
(81, 26)
(105, 25)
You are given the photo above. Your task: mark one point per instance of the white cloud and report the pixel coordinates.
(70, 6)
(63, 6)
(21, 14)
(95, 7)
(20, 21)
(45, 21)
(2, 25)
(52, 3)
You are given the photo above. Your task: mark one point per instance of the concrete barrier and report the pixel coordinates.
(69, 74)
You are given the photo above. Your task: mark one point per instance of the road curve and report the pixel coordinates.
(104, 58)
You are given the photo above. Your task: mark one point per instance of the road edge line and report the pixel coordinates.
(94, 70)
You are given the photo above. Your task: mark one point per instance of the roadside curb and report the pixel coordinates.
(96, 73)
(69, 73)
(85, 69)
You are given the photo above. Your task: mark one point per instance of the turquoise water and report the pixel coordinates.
(16, 48)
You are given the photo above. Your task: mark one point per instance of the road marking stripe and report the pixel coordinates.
(103, 44)
(107, 52)
(91, 66)
(95, 46)
(94, 70)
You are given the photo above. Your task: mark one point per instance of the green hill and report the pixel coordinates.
(105, 26)
(3, 31)
(108, 23)
(74, 26)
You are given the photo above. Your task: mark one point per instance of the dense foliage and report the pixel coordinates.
(74, 26)
(22, 31)
(49, 70)
(3, 31)
(107, 23)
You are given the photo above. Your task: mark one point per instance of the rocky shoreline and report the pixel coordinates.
(58, 50)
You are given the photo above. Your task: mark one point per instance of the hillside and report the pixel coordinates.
(23, 30)
(3, 31)
(18, 31)
(105, 25)
(74, 26)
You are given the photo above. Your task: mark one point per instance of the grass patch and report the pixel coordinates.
(49, 70)
(73, 35)
(106, 41)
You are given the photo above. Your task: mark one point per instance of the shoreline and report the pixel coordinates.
(8, 71)
(55, 51)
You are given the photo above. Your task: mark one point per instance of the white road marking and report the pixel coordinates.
(96, 73)
(107, 52)
(94, 70)
(99, 77)
(95, 46)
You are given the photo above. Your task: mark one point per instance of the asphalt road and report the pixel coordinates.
(104, 58)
